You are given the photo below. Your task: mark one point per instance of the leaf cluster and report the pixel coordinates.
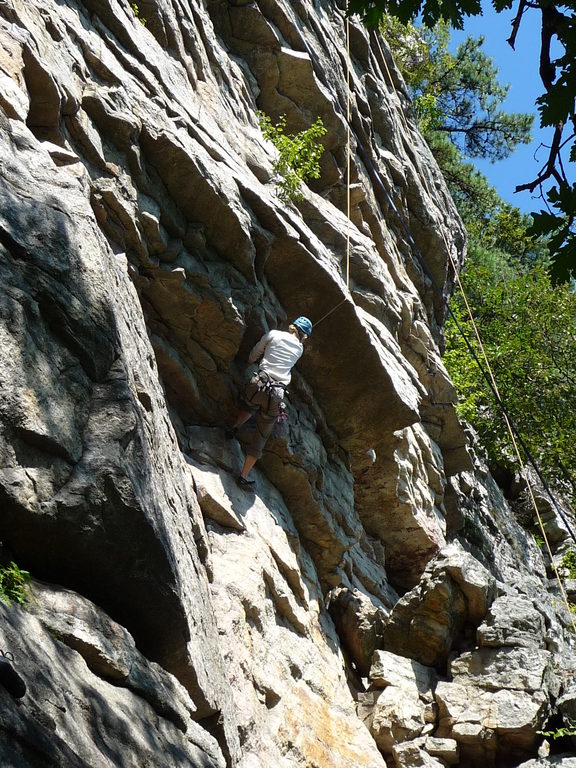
(529, 335)
(429, 11)
(560, 733)
(136, 10)
(559, 228)
(569, 563)
(13, 583)
(298, 154)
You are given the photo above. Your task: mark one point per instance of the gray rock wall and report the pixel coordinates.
(173, 619)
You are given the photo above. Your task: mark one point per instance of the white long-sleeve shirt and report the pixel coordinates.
(280, 351)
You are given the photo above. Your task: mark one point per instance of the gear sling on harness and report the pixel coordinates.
(265, 396)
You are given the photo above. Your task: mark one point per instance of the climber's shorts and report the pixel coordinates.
(263, 396)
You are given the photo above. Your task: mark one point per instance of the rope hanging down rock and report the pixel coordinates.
(488, 376)
(348, 166)
(486, 372)
(376, 178)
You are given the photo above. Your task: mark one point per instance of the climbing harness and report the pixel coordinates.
(282, 416)
(274, 390)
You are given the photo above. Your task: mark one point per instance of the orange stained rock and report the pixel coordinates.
(324, 734)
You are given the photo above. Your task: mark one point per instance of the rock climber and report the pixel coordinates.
(278, 352)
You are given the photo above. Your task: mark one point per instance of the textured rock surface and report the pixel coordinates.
(375, 603)
(92, 699)
(405, 708)
(453, 595)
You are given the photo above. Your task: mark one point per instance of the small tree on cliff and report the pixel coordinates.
(298, 154)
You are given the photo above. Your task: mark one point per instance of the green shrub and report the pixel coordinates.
(560, 733)
(13, 583)
(569, 562)
(298, 154)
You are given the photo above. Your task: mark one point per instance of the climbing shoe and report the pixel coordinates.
(9, 678)
(247, 485)
(230, 432)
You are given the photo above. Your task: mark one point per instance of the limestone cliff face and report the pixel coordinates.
(352, 612)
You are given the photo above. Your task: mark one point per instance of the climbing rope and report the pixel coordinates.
(348, 174)
(402, 115)
(489, 377)
(348, 152)
(515, 437)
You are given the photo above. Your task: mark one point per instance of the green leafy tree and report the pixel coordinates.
(555, 178)
(13, 584)
(529, 335)
(457, 94)
(457, 98)
(491, 223)
(453, 12)
(475, 198)
(298, 154)
(420, 53)
(469, 97)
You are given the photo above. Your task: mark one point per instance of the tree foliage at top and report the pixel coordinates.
(458, 94)
(469, 96)
(430, 11)
(554, 179)
(458, 98)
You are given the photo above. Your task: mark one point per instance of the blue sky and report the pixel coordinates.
(519, 69)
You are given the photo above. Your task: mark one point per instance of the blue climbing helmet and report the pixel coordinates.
(303, 324)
